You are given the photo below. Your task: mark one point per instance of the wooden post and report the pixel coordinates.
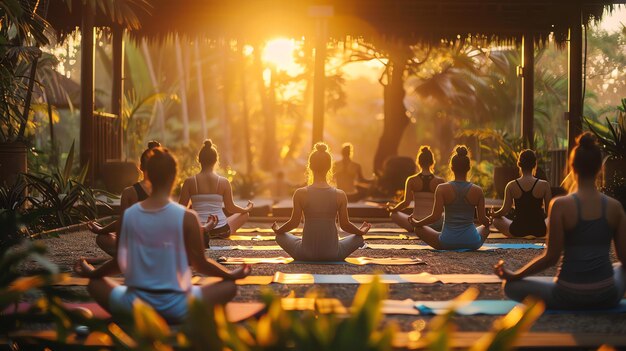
(321, 15)
(319, 77)
(87, 88)
(575, 78)
(528, 87)
(117, 91)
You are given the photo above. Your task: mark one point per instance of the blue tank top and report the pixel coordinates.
(586, 249)
(459, 213)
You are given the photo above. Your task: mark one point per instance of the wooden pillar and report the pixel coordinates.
(319, 77)
(117, 91)
(321, 14)
(528, 87)
(575, 78)
(87, 88)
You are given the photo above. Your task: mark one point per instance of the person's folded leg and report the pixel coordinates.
(291, 244)
(519, 290)
(348, 245)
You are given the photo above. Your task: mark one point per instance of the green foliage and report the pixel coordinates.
(246, 186)
(616, 188)
(612, 136)
(64, 196)
(325, 327)
(502, 148)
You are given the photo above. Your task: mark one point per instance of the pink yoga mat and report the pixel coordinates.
(235, 311)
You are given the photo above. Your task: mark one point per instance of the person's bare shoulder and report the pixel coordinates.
(614, 207)
(129, 194)
(438, 180)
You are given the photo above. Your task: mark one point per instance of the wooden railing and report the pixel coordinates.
(107, 140)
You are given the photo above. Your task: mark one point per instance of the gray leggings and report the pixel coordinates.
(559, 299)
(293, 246)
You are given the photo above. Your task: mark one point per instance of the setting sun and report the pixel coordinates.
(280, 53)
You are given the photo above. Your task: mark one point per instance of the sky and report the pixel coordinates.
(614, 22)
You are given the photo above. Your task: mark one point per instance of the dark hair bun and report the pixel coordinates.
(153, 143)
(321, 147)
(587, 140)
(425, 149)
(461, 151)
(208, 143)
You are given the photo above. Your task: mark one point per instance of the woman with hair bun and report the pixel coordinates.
(581, 228)
(419, 188)
(159, 239)
(210, 194)
(530, 218)
(107, 238)
(460, 200)
(321, 204)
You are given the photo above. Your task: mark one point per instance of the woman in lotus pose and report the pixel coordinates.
(530, 218)
(321, 204)
(460, 200)
(582, 226)
(107, 237)
(349, 175)
(419, 188)
(157, 242)
(210, 194)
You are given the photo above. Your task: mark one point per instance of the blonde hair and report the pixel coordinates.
(320, 161)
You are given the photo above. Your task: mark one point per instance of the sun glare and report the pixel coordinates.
(280, 53)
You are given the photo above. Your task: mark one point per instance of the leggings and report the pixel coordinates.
(293, 246)
(558, 299)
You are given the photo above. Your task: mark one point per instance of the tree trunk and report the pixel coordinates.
(269, 158)
(296, 137)
(183, 91)
(244, 111)
(227, 89)
(158, 112)
(201, 96)
(396, 119)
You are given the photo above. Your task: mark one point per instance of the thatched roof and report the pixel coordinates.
(411, 20)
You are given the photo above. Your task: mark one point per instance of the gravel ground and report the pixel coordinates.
(66, 249)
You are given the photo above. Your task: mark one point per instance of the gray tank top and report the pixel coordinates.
(319, 234)
(586, 249)
(459, 213)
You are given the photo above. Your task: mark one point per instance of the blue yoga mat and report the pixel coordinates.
(500, 307)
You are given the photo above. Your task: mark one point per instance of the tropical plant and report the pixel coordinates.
(325, 327)
(64, 195)
(502, 148)
(612, 136)
(136, 119)
(23, 30)
(246, 185)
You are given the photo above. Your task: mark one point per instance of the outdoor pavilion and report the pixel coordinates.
(520, 22)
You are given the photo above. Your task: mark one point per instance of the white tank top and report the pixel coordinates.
(209, 204)
(152, 253)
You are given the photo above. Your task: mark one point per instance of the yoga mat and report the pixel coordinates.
(477, 307)
(323, 305)
(485, 247)
(297, 278)
(273, 237)
(361, 261)
(196, 280)
(235, 311)
(299, 230)
(293, 278)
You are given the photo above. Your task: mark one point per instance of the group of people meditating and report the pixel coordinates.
(159, 239)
